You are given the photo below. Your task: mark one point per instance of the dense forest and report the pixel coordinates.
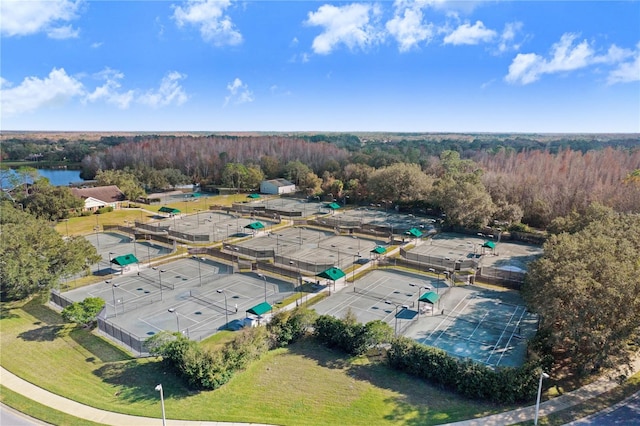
(512, 179)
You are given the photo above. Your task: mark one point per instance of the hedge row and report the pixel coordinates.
(203, 369)
(503, 385)
(350, 336)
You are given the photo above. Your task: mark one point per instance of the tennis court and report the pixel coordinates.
(488, 327)
(387, 295)
(197, 296)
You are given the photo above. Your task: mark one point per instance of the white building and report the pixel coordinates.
(277, 186)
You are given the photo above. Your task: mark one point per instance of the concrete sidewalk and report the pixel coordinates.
(82, 411)
(559, 403)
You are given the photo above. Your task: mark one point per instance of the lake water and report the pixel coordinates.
(59, 177)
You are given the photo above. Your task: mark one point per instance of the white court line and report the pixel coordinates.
(149, 324)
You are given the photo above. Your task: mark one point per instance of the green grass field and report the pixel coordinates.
(305, 384)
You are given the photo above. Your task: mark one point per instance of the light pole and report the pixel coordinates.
(389, 302)
(226, 311)
(264, 277)
(159, 389)
(113, 293)
(433, 271)
(543, 375)
(295, 283)
(353, 276)
(173, 311)
(198, 259)
(160, 272)
(97, 228)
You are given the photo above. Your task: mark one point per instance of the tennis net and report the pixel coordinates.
(394, 298)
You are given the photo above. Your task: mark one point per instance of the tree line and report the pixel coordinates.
(498, 184)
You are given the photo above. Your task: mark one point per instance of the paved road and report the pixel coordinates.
(626, 413)
(11, 417)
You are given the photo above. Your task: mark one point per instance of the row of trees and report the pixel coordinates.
(498, 184)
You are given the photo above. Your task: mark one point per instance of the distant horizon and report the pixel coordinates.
(354, 132)
(416, 66)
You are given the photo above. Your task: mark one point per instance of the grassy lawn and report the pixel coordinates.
(303, 384)
(39, 411)
(85, 224)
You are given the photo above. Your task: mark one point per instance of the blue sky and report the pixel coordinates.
(398, 66)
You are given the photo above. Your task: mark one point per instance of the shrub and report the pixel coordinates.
(504, 385)
(103, 210)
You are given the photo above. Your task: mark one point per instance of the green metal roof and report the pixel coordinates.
(334, 206)
(379, 250)
(415, 232)
(429, 297)
(332, 273)
(260, 309)
(165, 209)
(489, 244)
(125, 260)
(255, 225)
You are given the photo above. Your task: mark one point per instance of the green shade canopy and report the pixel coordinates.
(170, 210)
(260, 309)
(332, 273)
(489, 244)
(379, 250)
(253, 196)
(255, 225)
(429, 297)
(414, 232)
(333, 206)
(125, 260)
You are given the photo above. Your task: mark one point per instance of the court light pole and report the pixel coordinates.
(353, 276)
(543, 375)
(433, 271)
(113, 293)
(173, 311)
(264, 277)
(198, 259)
(226, 310)
(159, 389)
(160, 272)
(389, 302)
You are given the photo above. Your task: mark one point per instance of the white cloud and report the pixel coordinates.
(525, 68)
(96, 45)
(470, 34)
(109, 90)
(407, 25)
(626, 72)
(208, 15)
(349, 25)
(33, 93)
(20, 18)
(566, 55)
(506, 43)
(239, 92)
(169, 92)
(61, 33)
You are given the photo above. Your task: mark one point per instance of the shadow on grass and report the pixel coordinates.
(7, 313)
(42, 313)
(137, 380)
(46, 333)
(101, 350)
(417, 402)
